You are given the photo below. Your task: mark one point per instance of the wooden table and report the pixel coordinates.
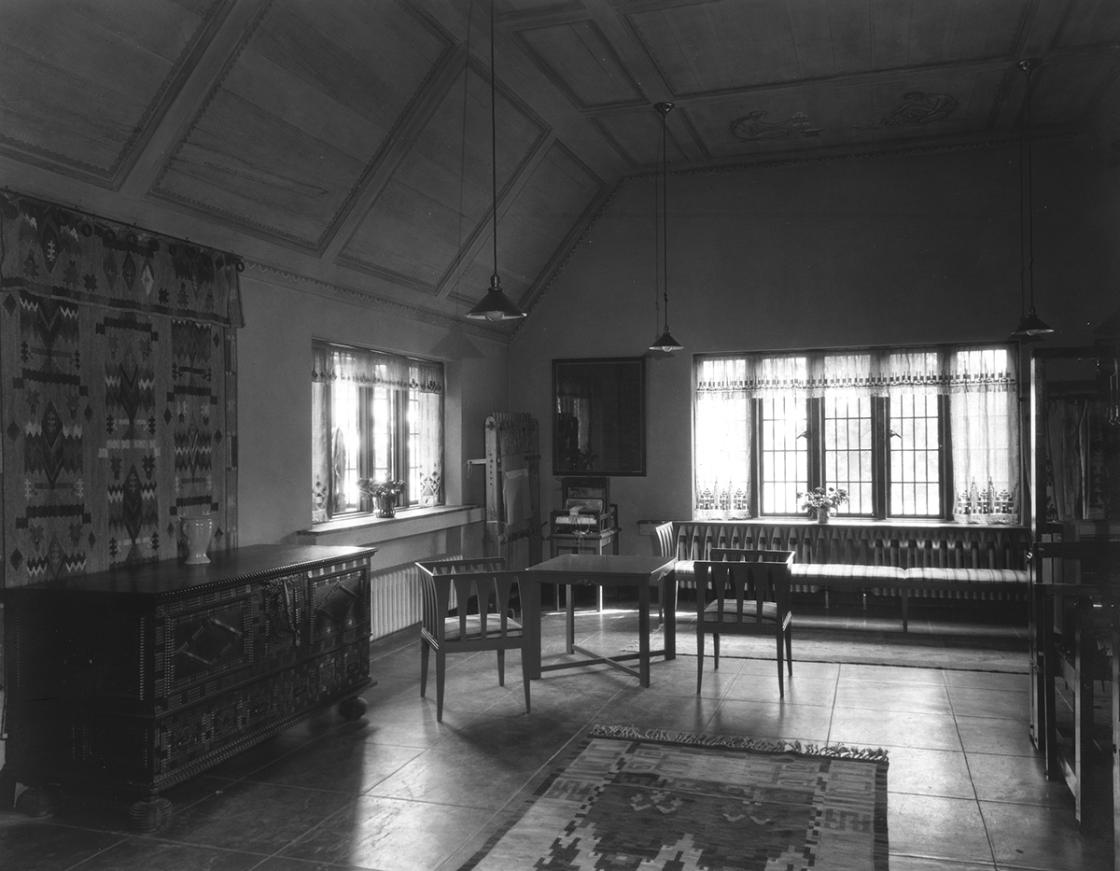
(602, 570)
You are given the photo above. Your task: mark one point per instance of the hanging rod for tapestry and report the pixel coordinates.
(236, 259)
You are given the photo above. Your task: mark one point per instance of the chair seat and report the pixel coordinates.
(451, 630)
(731, 615)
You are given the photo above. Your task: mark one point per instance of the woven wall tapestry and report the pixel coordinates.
(117, 360)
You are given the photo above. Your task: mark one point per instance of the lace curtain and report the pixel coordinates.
(722, 444)
(429, 462)
(983, 402)
(980, 382)
(331, 467)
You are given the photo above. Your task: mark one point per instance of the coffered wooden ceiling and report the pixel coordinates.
(348, 141)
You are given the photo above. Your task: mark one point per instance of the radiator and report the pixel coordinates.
(395, 597)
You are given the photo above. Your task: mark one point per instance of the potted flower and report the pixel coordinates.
(383, 493)
(819, 501)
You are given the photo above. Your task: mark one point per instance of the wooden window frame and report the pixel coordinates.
(880, 459)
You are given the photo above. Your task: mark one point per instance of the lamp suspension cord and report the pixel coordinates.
(659, 281)
(664, 217)
(463, 141)
(1023, 205)
(493, 144)
(1029, 172)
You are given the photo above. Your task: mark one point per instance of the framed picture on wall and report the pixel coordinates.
(598, 416)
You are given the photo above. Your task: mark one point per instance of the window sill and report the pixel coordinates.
(414, 521)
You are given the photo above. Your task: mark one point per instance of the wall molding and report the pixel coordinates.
(271, 274)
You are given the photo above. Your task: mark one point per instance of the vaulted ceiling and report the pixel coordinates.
(347, 142)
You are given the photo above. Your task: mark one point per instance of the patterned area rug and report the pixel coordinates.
(629, 799)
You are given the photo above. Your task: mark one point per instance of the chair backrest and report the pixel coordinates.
(723, 554)
(742, 586)
(479, 590)
(882, 544)
(665, 540)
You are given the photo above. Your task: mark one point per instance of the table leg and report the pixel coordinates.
(669, 606)
(570, 628)
(531, 626)
(1084, 762)
(1049, 700)
(643, 631)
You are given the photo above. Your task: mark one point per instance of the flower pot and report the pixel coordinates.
(386, 504)
(197, 531)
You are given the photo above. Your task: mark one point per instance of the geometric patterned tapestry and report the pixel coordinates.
(117, 365)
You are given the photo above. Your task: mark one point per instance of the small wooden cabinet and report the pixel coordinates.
(597, 543)
(127, 682)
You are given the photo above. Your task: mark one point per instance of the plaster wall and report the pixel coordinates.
(274, 398)
(849, 252)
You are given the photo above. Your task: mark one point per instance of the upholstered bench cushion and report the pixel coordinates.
(806, 572)
(686, 577)
(810, 577)
(890, 579)
(968, 576)
(943, 583)
(685, 572)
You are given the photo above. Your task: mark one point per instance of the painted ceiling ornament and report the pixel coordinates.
(753, 126)
(918, 108)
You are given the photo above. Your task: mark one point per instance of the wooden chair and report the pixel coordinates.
(744, 592)
(664, 544)
(665, 540)
(468, 606)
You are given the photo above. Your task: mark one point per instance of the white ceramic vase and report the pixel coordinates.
(198, 531)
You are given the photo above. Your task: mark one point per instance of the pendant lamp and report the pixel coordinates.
(1031, 326)
(495, 305)
(664, 342)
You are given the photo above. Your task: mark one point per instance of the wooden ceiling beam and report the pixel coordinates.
(183, 105)
(381, 166)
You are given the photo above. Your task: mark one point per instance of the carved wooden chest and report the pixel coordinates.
(130, 681)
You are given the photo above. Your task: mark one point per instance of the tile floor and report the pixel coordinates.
(396, 791)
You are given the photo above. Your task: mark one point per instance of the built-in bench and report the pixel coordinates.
(908, 560)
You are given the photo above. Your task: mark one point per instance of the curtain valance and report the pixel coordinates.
(870, 373)
(70, 256)
(339, 363)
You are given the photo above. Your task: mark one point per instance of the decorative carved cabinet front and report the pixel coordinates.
(129, 682)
